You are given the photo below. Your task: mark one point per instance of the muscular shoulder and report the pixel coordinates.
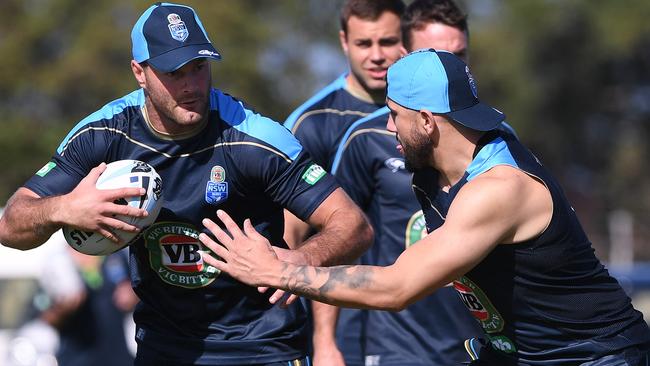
(506, 197)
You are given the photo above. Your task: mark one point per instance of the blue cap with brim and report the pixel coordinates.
(440, 82)
(168, 36)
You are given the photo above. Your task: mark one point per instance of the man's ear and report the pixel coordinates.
(343, 38)
(428, 122)
(138, 73)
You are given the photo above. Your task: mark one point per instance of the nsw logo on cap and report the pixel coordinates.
(177, 27)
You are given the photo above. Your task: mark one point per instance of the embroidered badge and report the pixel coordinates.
(177, 27)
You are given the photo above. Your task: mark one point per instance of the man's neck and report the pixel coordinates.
(453, 160)
(359, 92)
(168, 130)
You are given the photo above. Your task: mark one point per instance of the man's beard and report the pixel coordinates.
(417, 154)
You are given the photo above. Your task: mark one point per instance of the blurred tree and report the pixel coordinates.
(573, 77)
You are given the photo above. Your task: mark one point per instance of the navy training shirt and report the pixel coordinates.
(546, 301)
(432, 330)
(320, 122)
(241, 162)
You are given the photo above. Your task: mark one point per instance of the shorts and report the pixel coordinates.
(147, 357)
(483, 355)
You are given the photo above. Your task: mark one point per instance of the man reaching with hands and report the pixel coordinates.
(500, 228)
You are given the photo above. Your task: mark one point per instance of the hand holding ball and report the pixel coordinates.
(121, 174)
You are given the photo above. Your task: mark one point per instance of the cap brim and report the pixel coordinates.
(480, 117)
(176, 58)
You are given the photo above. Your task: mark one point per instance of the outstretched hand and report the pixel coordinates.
(245, 255)
(91, 209)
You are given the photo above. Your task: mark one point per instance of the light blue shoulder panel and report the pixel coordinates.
(493, 154)
(339, 83)
(253, 124)
(135, 98)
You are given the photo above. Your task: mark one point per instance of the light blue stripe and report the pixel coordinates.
(339, 83)
(339, 150)
(140, 49)
(235, 114)
(135, 98)
(493, 154)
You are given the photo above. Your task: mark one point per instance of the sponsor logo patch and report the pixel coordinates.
(208, 53)
(175, 255)
(313, 174)
(416, 228)
(395, 164)
(177, 27)
(218, 174)
(215, 192)
(479, 305)
(503, 344)
(46, 169)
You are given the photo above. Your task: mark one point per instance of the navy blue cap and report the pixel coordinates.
(440, 82)
(167, 36)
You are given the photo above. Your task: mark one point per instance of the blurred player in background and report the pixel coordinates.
(372, 172)
(371, 40)
(210, 152)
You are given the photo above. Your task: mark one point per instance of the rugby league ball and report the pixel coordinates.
(121, 174)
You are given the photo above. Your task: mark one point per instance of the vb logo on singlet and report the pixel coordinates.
(479, 305)
(416, 228)
(175, 255)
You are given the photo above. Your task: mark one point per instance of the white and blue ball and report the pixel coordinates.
(121, 174)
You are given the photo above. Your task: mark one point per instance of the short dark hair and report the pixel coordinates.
(422, 12)
(369, 10)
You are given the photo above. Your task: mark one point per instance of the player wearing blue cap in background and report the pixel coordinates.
(211, 152)
(500, 228)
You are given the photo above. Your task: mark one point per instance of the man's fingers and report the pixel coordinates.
(277, 295)
(282, 298)
(218, 233)
(117, 224)
(126, 210)
(230, 225)
(250, 231)
(262, 289)
(290, 300)
(95, 172)
(214, 246)
(214, 262)
(117, 193)
(108, 235)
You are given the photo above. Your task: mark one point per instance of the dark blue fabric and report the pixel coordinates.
(546, 301)
(323, 122)
(189, 311)
(431, 331)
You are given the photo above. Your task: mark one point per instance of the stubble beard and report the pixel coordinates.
(417, 153)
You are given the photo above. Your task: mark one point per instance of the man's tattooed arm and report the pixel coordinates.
(317, 283)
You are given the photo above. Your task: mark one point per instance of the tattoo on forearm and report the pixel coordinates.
(304, 280)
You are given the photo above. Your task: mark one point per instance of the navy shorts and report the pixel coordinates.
(147, 357)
